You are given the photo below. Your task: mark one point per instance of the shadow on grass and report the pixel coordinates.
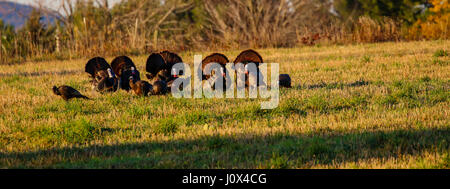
(324, 85)
(280, 150)
(37, 74)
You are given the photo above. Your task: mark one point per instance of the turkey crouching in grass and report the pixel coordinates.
(124, 67)
(285, 80)
(250, 56)
(107, 82)
(67, 92)
(140, 88)
(159, 87)
(164, 75)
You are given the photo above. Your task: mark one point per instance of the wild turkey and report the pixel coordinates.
(159, 87)
(214, 58)
(140, 88)
(67, 92)
(250, 56)
(284, 80)
(124, 67)
(159, 66)
(171, 59)
(155, 66)
(220, 59)
(96, 64)
(98, 68)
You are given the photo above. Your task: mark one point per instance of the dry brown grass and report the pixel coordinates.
(359, 106)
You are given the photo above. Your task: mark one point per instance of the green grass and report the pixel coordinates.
(382, 105)
(440, 53)
(74, 132)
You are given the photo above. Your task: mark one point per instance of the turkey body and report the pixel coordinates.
(141, 88)
(250, 56)
(106, 81)
(159, 88)
(220, 59)
(155, 67)
(159, 66)
(94, 65)
(101, 75)
(284, 80)
(170, 59)
(67, 92)
(124, 68)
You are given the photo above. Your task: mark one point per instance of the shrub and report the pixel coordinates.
(369, 30)
(435, 24)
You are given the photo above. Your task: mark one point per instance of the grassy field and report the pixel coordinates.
(362, 106)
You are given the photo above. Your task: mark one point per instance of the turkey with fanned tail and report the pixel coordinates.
(124, 67)
(102, 77)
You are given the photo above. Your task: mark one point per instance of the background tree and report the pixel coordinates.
(434, 24)
(405, 10)
(93, 28)
(36, 38)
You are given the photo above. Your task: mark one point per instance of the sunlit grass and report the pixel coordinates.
(359, 106)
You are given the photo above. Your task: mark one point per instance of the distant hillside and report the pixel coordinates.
(16, 14)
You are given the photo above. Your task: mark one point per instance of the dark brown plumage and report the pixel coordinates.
(95, 65)
(106, 81)
(285, 80)
(155, 64)
(246, 57)
(98, 68)
(67, 92)
(124, 67)
(159, 66)
(163, 75)
(214, 58)
(159, 87)
(217, 58)
(101, 74)
(249, 56)
(140, 88)
(170, 58)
